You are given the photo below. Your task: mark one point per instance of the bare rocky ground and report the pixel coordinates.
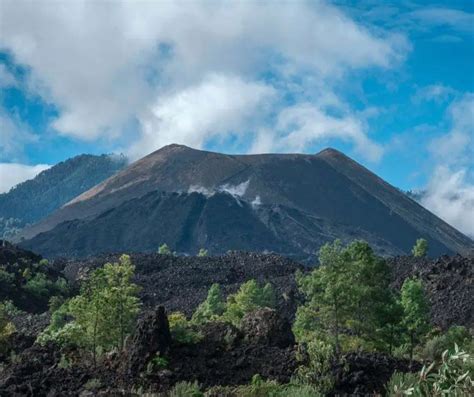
(225, 355)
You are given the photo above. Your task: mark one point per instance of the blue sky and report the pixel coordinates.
(390, 83)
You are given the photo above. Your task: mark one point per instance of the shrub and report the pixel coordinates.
(317, 371)
(186, 389)
(6, 329)
(212, 308)
(156, 363)
(456, 335)
(202, 252)
(452, 377)
(420, 249)
(181, 329)
(164, 250)
(249, 297)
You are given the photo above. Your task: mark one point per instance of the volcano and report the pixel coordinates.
(290, 204)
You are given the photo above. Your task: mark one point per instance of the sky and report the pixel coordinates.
(389, 83)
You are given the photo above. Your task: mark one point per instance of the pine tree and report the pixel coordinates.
(212, 307)
(415, 311)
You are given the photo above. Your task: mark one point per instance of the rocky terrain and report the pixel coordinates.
(287, 203)
(224, 355)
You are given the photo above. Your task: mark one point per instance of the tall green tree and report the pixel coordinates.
(420, 249)
(348, 297)
(329, 293)
(415, 311)
(212, 307)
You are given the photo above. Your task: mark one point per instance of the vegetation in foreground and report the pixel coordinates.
(348, 306)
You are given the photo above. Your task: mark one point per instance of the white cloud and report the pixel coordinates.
(301, 125)
(11, 174)
(450, 191)
(217, 107)
(435, 92)
(106, 63)
(451, 196)
(13, 135)
(457, 146)
(438, 16)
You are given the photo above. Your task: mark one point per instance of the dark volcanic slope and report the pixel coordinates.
(299, 202)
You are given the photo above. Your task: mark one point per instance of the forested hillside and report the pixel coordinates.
(34, 199)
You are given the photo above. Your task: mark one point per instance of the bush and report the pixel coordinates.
(317, 371)
(456, 335)
(420, 249)
(452, 377)
(251, 296)
(181, 329)
(186, 389)
(156, 363)
(164, 250)
(6, 329)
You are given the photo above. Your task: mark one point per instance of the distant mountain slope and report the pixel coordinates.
(34, 199)
(289, 203)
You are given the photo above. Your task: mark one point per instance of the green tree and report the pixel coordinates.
(164, 249)
(212, 307)
(329, 293)
(415, 311)
(420, 249)
(104, 312)
(202, 252)
(249, 297)
(348, 291)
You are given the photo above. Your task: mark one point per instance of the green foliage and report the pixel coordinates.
(452, 377)
(186, 389)
(264, 388)
(164, 250)
(181, 329)
(156, 363)
(317, 372)
(249, 297)
(456, 335)
(102, 315)
(93, 384)
(6, 329)
(40, 285)
(420, 249)
(415, 312)
(43, 262)
(6, 279)
(202, 252)
(212, 308)
(348, 291)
